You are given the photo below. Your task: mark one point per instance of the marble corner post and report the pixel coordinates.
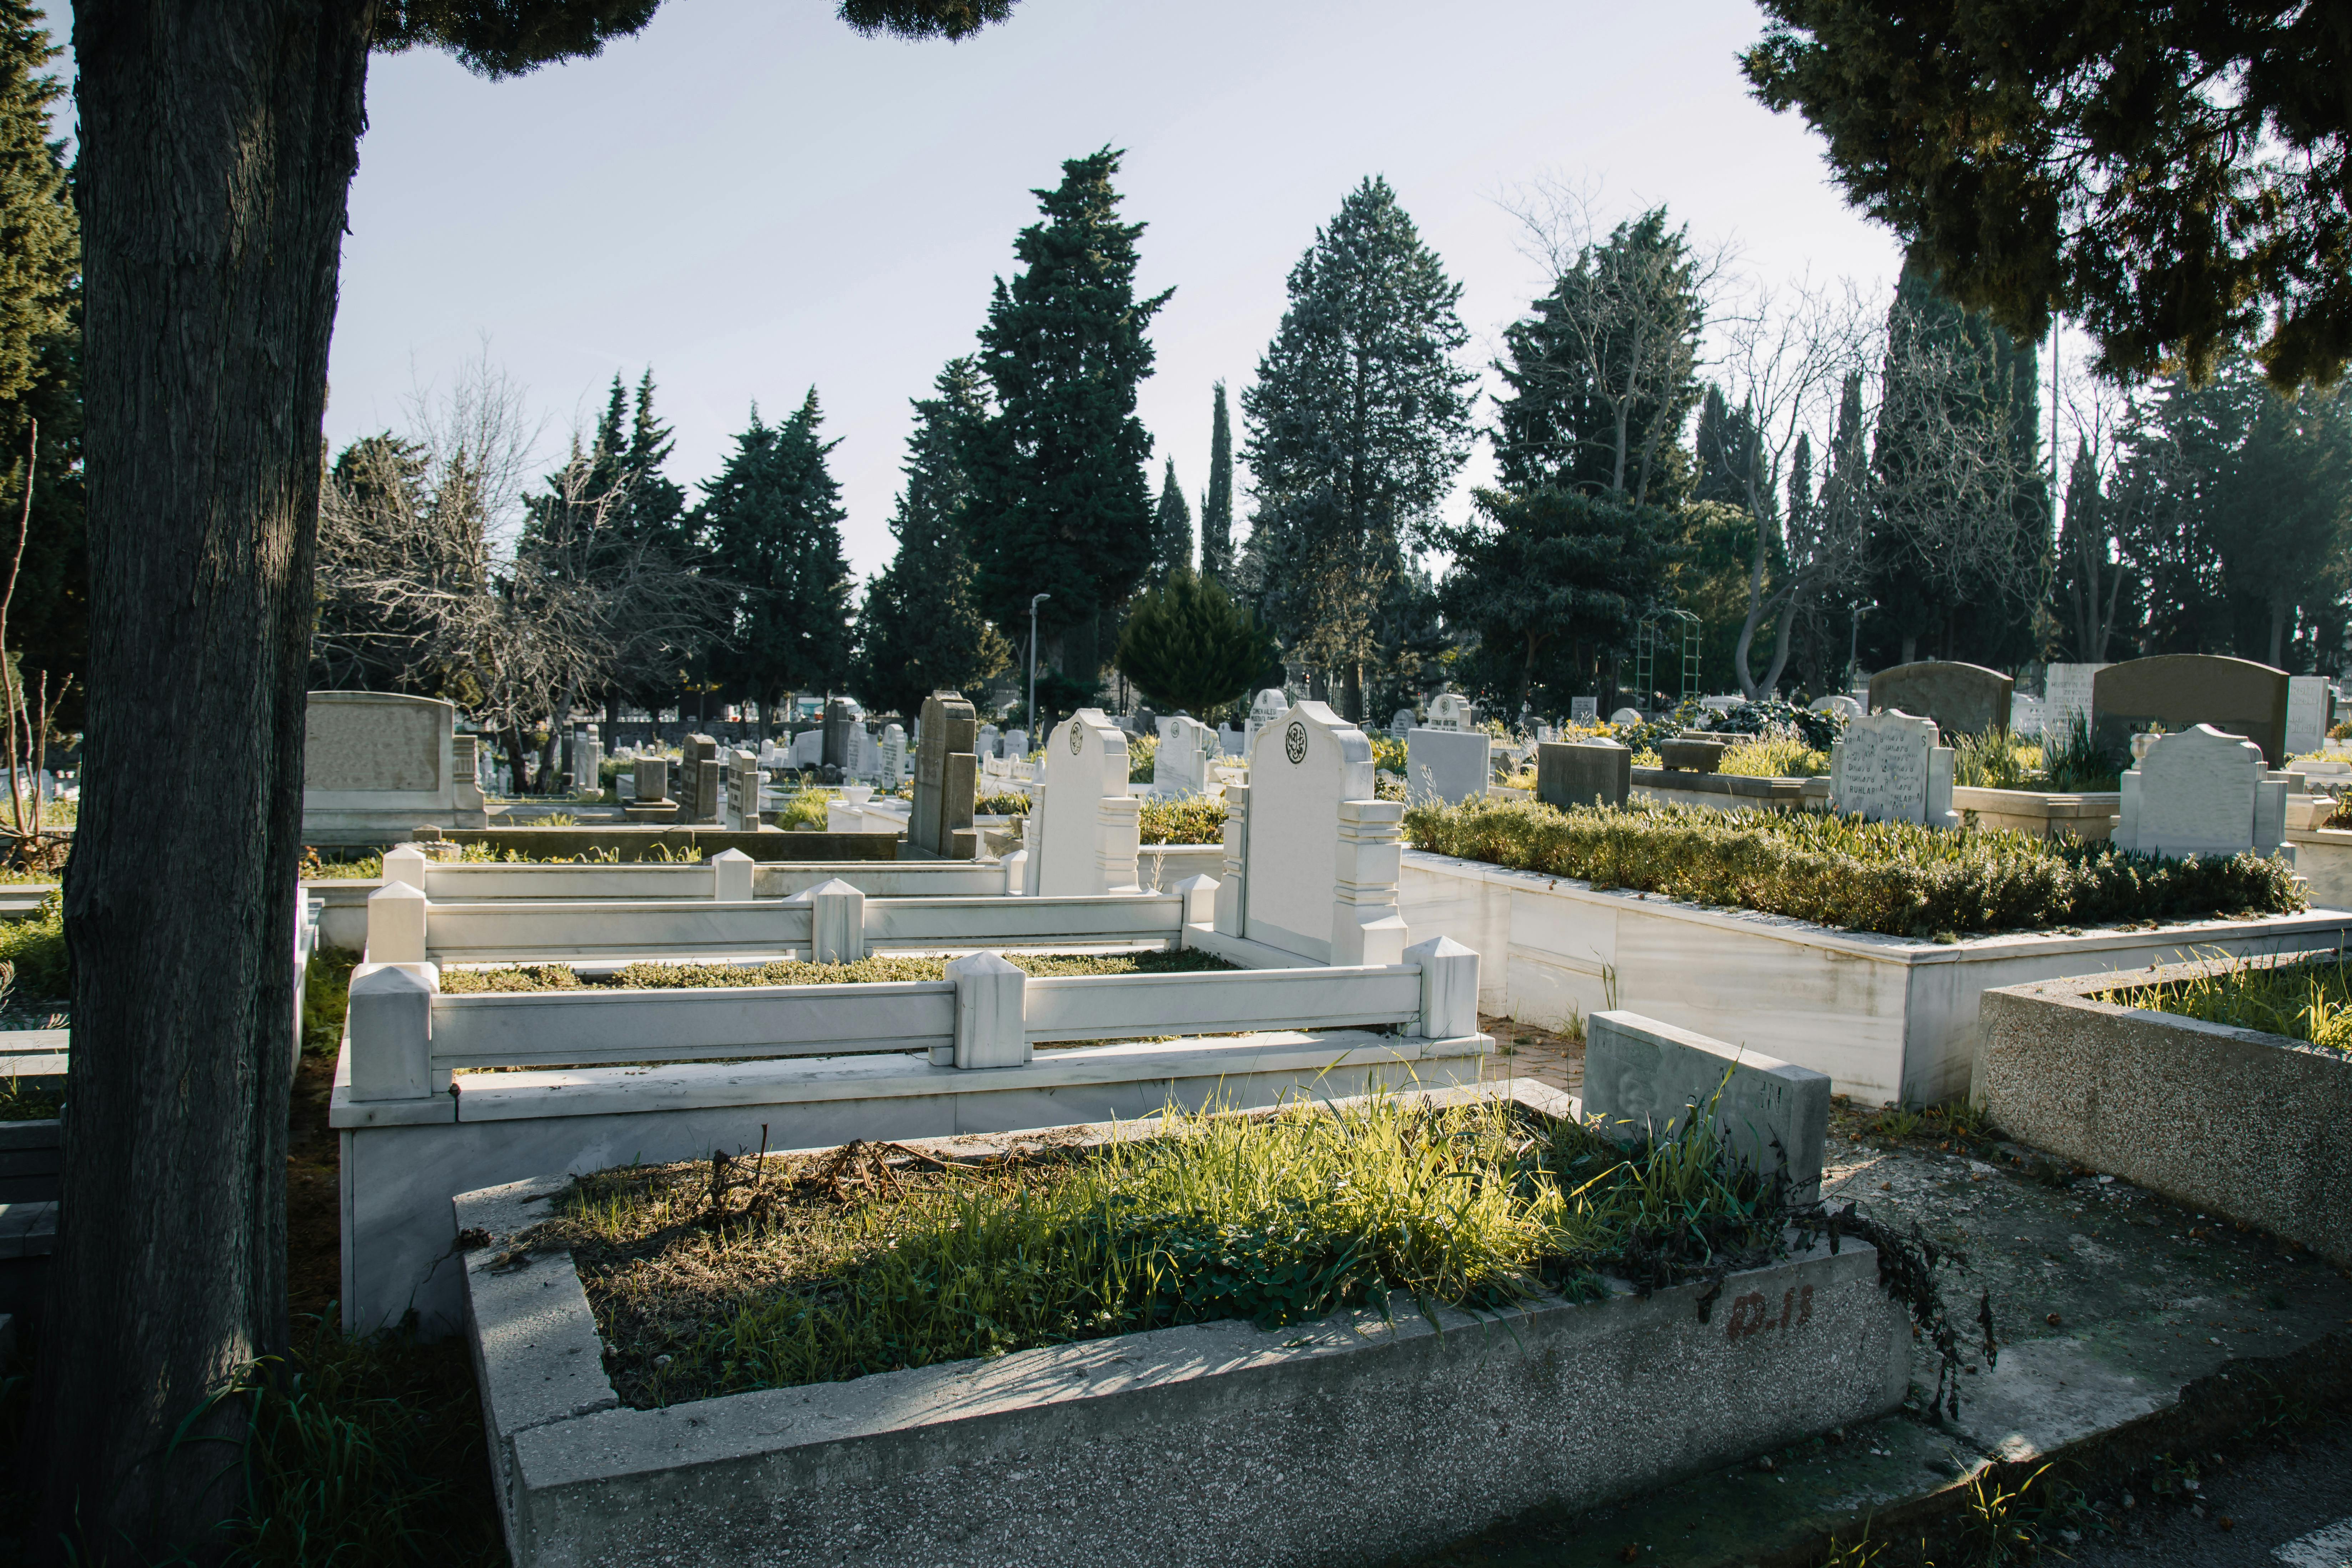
(391, 1026)
(1232, 903)
(1365, 925)
(990, 1012)
(396, 917)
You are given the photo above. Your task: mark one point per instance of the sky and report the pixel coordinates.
(753, 200)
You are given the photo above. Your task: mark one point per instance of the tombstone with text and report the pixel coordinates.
(2201, 792)
(1583, 772)
(1889, 768)
(1625, 716)
(890, 757)
(1962, 699)
(1265, 707)
(1584, 709)
(947, 779)
(2177, 692)
(1401, 721)
(376, 766)
(1083, 825)
(2066, 695)
(1447, 710)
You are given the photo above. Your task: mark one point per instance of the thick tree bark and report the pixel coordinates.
(217, 146)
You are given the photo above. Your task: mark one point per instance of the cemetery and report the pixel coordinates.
(864, 979)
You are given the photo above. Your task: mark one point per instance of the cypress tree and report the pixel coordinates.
(921, 627)
(1060, 501)
(1171, 529)
(1217, 505)
(774, 518)
(40, 365)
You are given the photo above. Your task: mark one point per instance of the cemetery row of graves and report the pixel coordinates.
(760, 1120)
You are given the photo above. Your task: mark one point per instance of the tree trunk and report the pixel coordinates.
(217, 147)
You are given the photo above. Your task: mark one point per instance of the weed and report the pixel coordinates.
(2308, 1000)
(20, 1101)
(326, 995)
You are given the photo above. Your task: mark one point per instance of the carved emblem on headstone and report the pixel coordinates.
(1076, 740)
(1293, 742)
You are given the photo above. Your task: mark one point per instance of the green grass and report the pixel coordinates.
(326, 995)
(1011, 803)
(20, 1101)
(1774, 757)
(775, 1280)
(1840, 871)
(33, 955)
(802, 808)
(1994, 760)
(2309, 1001)
(646, 977)
(1184, 819)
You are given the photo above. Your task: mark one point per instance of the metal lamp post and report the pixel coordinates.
(1032, 715)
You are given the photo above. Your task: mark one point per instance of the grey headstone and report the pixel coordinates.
(1962, 699)
(2178, 690)
(1642, 1076)
(947, 774)
(1583, 772)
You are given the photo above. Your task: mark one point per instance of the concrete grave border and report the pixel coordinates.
(1213, 1443)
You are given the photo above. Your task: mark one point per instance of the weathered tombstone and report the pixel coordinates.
(1401, 721)
(1643, 1077)
(1447, 710)
(947, 778)
(377, 765)
(2026, 712)
(1889, 768)
(1845, 707)
(651, 797)
(1015, 744)
(2178, 690)
(806, 750)
(1583, 772)
(2201, 792)
(1583, 710)
(1311, 858)
(1962, 699)
(890, 763)
(1626, 716)
(743, 791)
(1084, 824)
(838, 724)
(699, 773)
(1180, 763)
(1448, 765)
(989, 743)
(1722, 704)
(2310, 710)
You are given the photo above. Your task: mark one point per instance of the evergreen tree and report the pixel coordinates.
(1171, 529)
(1189, 648)
(921, 628)
(1357, 421)
(1602, 372)
(1217, 505)
(40, 366)
(1060, 501)
(774, 519)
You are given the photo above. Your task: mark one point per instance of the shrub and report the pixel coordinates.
(1894, 877)
(802, 808)
(1142, 752)
(2074, 766)
(1818, 730)
(34, 952)
(1775, 757)
(1387, 753)
(1188, 819)
(1993, 760)
(2340, 730)
(1011, 802)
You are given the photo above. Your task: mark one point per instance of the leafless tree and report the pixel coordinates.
(1786, 358)
(2094, 561)
(435, 575)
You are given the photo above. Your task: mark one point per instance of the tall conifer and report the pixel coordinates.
(1171, 529)
(1217, 505)
(1060, 504)
(921, 627)
(774, 518)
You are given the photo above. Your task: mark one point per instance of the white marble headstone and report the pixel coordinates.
(1180, 766)
(808, 748)
(1083, 834)
(1839, 703)
(1401, 721)
(1447, 710)
(1301, 767)
(1015, 743)
(1889, 768)
(2200, 792)
(2066, 698)
(1625, 716)
(1583, 710)
(891, 755)
(989, 737)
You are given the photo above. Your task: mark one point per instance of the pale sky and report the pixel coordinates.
(751, 199)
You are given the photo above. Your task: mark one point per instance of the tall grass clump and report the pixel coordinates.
(1143, 755)
(1276, 1220)
(1895, 878)
(1774, 757)
(2073, 764)
(2308, 1000)
(802, 808)
(1183, 819)
(1010, 803)
(1993, 760)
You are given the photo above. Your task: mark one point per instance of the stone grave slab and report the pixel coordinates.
(1962, 699)
(2066, 697)
(1447, 710)
(2310, 710)
(2201, 792)
(947, 774)
(1583, 710)
(1642, 1076)
(1083, 832)
(2179, 690)
(1583, 772)
(1179, 764)
(1449, 766)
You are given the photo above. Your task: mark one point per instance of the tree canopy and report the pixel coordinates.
(2172, 177)
(774, 518)
(1189, 648)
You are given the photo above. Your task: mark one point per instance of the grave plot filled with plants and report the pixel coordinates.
(2308, 999)
(648, 975)
(729, 1275)
(1895, 878)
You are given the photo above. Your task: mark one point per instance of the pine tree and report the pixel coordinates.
(1357, 423)
(1189, 648)
(40, 365)
(1061, 504)
(1171, 529)
(921, 628)
(1217, 505)
(774, 516)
